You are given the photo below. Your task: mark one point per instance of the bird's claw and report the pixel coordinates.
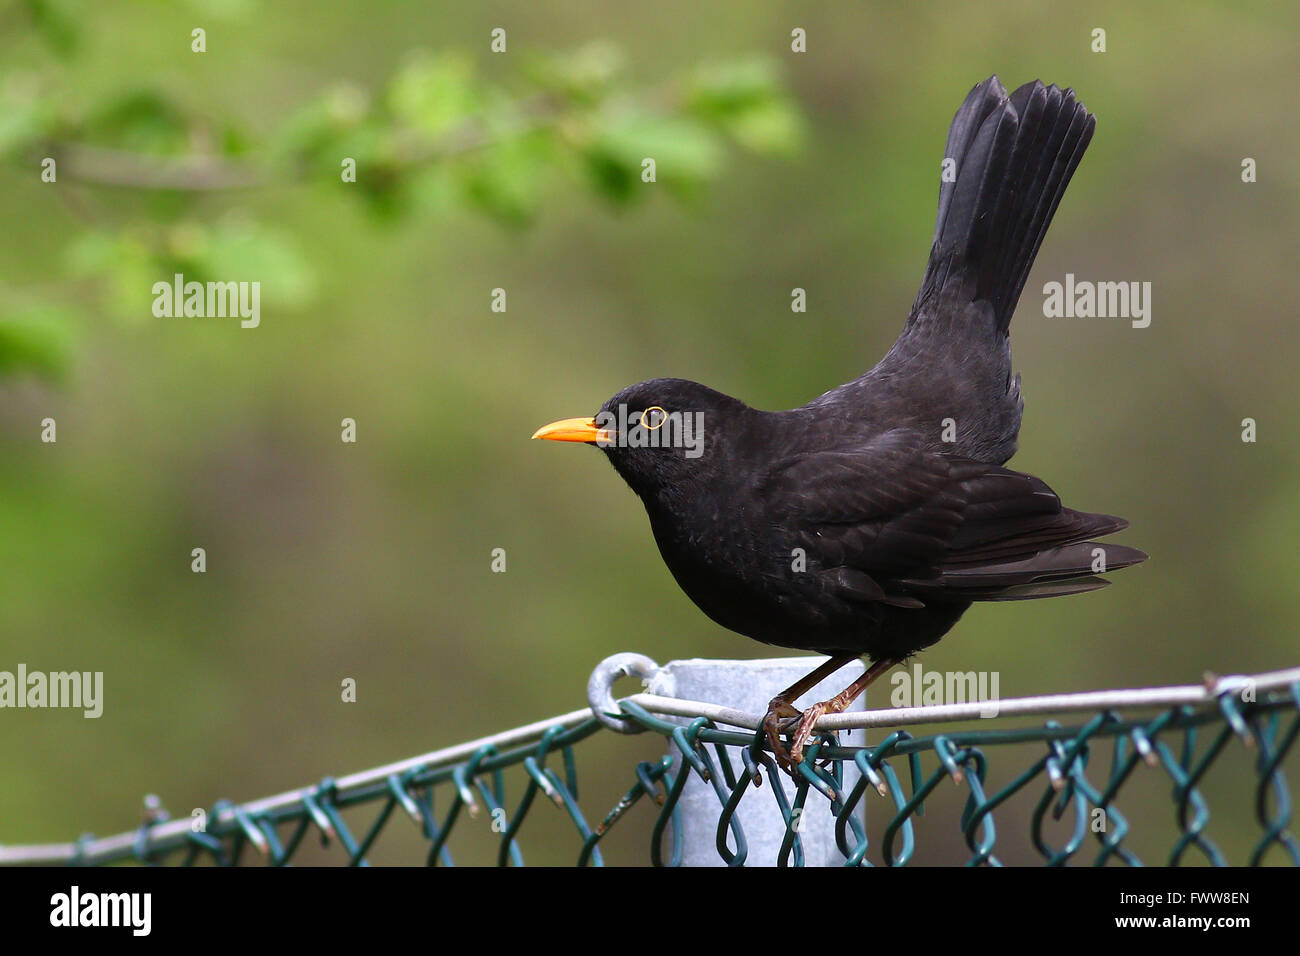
(804, 733)
(781, 718)
(779, 713)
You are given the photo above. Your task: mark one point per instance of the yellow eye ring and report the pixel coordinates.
(663, 418)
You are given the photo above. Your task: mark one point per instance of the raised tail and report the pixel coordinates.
(1012, 157)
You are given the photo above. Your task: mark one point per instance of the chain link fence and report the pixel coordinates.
(1181, 735)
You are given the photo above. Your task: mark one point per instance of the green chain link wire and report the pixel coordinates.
(1171, 741)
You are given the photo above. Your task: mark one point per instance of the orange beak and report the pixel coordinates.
(573, 429)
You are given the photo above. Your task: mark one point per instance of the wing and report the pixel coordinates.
(895, 522)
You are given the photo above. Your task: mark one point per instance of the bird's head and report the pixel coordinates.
(658, 434)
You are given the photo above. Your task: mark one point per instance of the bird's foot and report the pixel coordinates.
(783, 716)
(803, 730)
(779, 711)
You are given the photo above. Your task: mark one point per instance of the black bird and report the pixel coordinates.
(868, 520)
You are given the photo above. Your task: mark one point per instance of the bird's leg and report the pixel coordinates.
(782, 705)
(803, 733)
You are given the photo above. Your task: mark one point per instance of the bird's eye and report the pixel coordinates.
(654, 417)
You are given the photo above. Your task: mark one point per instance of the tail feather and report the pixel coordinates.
(1068, 569)
(1013, 157)
(1017, 538)
(1047, 589)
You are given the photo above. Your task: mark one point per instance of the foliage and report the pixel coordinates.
(443, 135)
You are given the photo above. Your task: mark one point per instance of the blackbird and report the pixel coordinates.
(865, 522)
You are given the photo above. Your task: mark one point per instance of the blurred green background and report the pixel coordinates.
(519, 171)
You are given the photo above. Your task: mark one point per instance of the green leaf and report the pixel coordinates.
(504, 179)
(432, 190)
(326, 129)
(773, 127)
(232, 251)
(249, 252)
(36, 339)
(125, 263)
(433, 94)
(747, 101)
(585, 76)
(141, 120)
(56, 25)
(24, 115)
(685, 153)
(728, 88)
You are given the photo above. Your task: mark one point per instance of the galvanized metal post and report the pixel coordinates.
(748, 686)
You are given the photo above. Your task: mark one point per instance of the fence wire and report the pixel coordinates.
(437, 791)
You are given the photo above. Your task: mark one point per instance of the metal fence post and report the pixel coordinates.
(748, 686)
